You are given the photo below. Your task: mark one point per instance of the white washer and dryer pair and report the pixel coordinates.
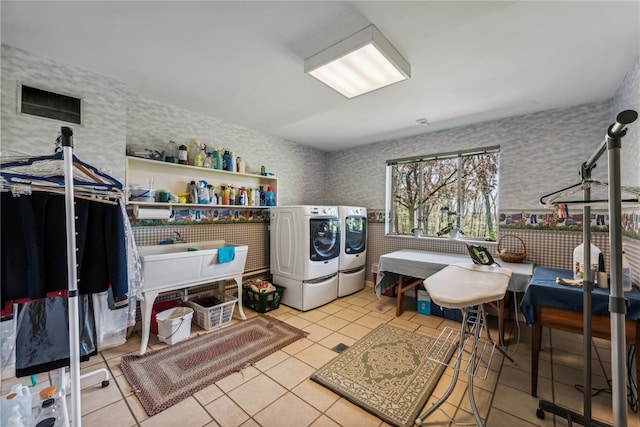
(318, 253)
(305, 254)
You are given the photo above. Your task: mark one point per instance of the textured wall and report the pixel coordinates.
(114, 118)
(300, 170)
(628, 97)
(539, 153)
(100, 141)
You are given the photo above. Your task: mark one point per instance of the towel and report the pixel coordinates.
(226, 254)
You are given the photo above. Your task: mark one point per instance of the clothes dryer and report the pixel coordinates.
(353, 254)
(305, 252)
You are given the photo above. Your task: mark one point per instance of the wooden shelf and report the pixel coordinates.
(194, 205)
(175, 178)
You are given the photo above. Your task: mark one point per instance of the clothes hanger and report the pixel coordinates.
(550, 200)
(22, 175)
(47, 170)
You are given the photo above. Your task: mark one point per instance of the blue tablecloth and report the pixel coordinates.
(544, 291)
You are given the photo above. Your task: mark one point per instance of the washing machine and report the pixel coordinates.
(305, 254)
(353, 252)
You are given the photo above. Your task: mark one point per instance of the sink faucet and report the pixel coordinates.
(178, 238)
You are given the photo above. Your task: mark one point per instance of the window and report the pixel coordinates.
(438, 192)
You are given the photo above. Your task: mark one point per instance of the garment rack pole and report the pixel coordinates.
(617, 305)
(72, 275)
(587, 289)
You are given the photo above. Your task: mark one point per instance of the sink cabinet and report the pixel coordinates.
(175, 178)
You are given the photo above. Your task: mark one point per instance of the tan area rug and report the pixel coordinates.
(164, 377)
(386, 373)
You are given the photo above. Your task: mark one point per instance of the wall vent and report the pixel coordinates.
(37, 102)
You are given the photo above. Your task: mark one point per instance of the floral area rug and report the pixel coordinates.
(386, 373)
(164, 377)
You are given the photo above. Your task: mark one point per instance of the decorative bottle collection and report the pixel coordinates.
(204, 193)
(197, 154)
(198, 191)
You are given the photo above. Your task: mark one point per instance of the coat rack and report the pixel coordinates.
(79, 180)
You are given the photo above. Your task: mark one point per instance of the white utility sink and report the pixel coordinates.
(187, 263)
(182, 265)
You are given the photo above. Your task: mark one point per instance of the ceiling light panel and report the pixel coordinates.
(361, 63)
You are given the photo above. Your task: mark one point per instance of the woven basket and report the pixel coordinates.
(512, 256)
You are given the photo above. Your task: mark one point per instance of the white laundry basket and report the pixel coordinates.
(174, 325)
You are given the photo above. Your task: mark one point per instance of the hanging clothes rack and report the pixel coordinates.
(64, 173)
(617, 307)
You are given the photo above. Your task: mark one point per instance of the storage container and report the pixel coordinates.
(16, 404)
(424, 302)
(174, 325)
(142, 195)
(263, 302)
(158, 308)
(448, 313)
(212, 309)
(578, 260)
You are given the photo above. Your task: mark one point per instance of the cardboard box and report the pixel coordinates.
(424, 302)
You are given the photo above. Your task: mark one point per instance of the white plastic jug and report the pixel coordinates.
(17, 405)
(578, 260)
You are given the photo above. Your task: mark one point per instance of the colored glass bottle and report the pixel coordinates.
(183, 157)
(270, 197)
(227, 161)
(217, 157)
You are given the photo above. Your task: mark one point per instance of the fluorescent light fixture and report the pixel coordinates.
(360, 63)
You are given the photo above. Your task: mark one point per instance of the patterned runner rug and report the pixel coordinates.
(164, 377)
(386, 373)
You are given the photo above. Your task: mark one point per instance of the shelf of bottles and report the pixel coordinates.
(172, 180)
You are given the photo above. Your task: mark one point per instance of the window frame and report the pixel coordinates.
(389, 193)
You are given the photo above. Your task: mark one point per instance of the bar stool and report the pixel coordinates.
(466, 287)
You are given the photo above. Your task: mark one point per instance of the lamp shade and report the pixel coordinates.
(361, 63)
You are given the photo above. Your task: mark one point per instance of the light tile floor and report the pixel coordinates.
(277, 391)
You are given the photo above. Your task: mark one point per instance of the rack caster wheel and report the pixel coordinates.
(105, 383)
(540, 413)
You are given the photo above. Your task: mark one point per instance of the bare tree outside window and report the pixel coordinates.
(438, 193)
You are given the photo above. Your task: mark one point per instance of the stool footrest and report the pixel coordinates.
(484, 355)
(449, 337)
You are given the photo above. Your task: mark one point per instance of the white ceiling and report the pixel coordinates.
(242, 62)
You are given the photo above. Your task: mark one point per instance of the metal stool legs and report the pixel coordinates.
(475, 324)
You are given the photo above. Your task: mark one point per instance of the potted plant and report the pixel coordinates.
(418, 230)
(451, 228)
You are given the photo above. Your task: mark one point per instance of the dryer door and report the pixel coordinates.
(355, 229)
(324, 238)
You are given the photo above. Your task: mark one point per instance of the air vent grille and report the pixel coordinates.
(50, 105)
